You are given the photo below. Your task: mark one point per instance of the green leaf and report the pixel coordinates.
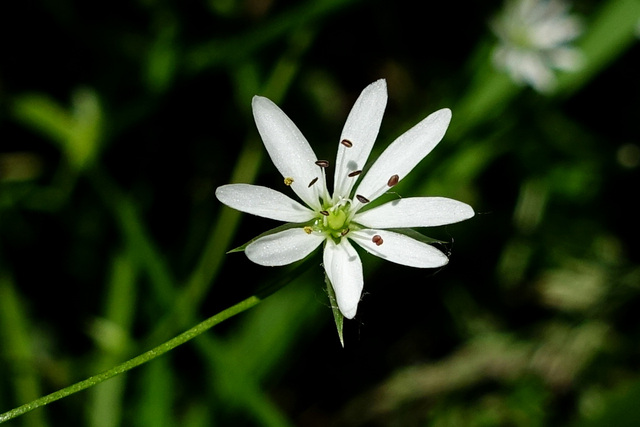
(76, 131)
(43, 114)
(337, 316)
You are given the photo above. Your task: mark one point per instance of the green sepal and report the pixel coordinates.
(409, 232)
(337, 315)
(283, 227)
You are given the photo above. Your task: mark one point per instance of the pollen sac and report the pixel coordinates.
(325, 213)
(344, 232)
(323, 163)
(354, 173)
(313, 181)
(393, 180)
(288, 181)
(307, 229)
(377, 240)
(346, 143)
(362, 199)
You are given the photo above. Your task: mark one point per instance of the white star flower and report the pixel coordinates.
(534, 37)
(338, 220)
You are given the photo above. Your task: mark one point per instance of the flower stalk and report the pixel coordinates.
(136, 361)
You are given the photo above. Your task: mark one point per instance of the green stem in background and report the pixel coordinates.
(136, 361)
(14, 332)
(112, 332)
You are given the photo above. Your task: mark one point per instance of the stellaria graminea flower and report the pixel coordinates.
(336, 220)
(534, 37)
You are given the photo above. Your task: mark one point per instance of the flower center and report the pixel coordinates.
(334, 221)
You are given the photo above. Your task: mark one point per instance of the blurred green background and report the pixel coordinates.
(119, 119)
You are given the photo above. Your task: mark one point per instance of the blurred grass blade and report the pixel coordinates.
(112, 335)
(16, 348)
(156, 401)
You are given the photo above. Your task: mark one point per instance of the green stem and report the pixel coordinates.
(136, 361)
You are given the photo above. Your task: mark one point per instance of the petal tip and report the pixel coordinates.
(260, 102)
(468, 212)
(221, 192)
(379, 84)
(444, 114)
(349, 313)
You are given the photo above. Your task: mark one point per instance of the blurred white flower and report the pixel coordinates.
(337, 220)
(534, 40)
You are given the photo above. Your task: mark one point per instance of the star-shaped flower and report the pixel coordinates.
(535, 38)
(339, 219)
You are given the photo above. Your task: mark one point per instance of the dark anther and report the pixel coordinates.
(344, 232)
(322, 163)
(362, 199)
(377, 240)
(393, 180)
(346, 143)
(325, 213)
(354, 173)
(313, 181)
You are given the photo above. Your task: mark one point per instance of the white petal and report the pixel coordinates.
(404, 154)
(361, 129)
(283, 248)
(344, 269)
(399, 248)
(415, 212)
(264, 202)
(289, 150)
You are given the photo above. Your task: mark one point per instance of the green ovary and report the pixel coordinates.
(336, 220)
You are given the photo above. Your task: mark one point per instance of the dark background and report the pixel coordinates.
(119, 119)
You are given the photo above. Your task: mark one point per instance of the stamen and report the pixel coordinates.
(323, 163)
(313, 181)
(354, 173)
(307, 229)
(362, 199)
(346, 143)
(325, 213)
(377, 240)
(393, 180)
(288, 181)
(344, 232)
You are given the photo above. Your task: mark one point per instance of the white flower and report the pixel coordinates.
(534, 40)
(338, 220)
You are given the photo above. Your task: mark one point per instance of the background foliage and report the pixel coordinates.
(118, 120)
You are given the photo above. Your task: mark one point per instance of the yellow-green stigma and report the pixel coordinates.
(336, 220)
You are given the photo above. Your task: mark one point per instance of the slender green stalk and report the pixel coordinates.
(136, 361)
